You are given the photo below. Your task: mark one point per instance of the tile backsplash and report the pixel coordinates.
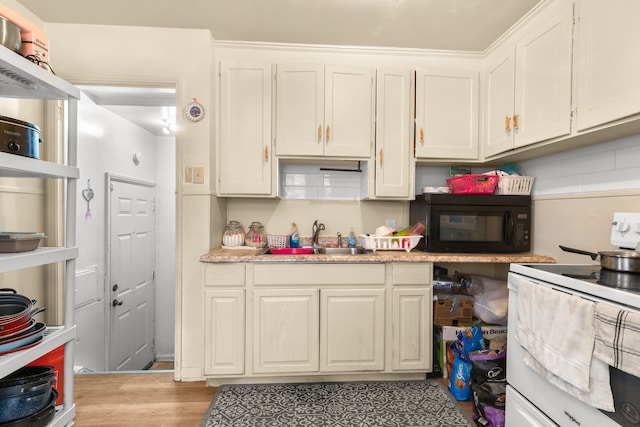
(608, 166)
(318, 182)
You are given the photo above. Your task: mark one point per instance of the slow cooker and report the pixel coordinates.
(18, 137)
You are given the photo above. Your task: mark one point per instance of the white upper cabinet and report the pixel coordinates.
(447, 114)
(528, 83)
(394, 160)
(324, 111)
(608, 63)
(245, 163)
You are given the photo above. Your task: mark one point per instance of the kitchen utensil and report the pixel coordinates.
(11, 242)
(40, 418)
(27, 338)
(10, 36)
(28, 374)
(625, 261)
(26, 403)
(384, 231)
(10, 332)
(18, 137)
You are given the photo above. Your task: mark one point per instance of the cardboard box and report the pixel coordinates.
(442, 310)
(445, 335)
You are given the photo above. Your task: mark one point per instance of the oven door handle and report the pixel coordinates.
(508, 227)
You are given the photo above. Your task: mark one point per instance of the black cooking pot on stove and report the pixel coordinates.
(18, 137)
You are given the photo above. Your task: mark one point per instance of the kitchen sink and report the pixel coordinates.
(358, 250)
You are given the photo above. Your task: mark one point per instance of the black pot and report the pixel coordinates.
(28, 374)
(28, 401)
(18, 137)
(38, 419)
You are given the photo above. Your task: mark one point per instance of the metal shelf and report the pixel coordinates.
(54, 337)
(21, 78)
(13, 165)
(41, 256)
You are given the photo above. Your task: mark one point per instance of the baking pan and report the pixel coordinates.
(19, 241)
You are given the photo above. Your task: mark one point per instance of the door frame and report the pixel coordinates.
(109, 179)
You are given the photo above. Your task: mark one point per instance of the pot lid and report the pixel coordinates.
(16, 122)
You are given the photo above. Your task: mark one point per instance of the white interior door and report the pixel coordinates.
(131, 274)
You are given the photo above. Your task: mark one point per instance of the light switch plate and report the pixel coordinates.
(198, 174)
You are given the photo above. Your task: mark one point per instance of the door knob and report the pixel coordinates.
(116, 302)
(115, 287)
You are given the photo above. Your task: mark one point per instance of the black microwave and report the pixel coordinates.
(473, 223)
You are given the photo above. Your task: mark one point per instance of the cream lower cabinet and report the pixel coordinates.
(352, 330)
(224, 331)
(317, 319)
(285, 330)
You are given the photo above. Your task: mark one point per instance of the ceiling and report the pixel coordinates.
(153, 109)
(460, 25)
(469, 25)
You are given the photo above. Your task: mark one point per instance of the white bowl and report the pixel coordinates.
(384, 231)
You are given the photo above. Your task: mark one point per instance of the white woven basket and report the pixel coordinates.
(515, 184)
(277, 240)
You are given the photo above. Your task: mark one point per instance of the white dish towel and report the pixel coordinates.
(618, 338)
(557, 330)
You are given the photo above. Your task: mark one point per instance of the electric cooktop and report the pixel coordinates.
(594, 274)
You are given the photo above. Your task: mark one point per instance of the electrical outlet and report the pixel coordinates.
(188, 175)
(198, 174)
(390, 223)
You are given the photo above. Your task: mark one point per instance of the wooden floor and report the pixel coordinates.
(147, 398)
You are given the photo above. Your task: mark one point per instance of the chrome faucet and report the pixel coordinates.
(339, 240)
(315, 230)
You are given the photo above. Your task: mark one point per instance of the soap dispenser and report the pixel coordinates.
(294, 236)
(351, 241)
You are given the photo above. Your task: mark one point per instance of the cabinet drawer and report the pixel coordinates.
(319, 274)
(412, 274)
(224, 275)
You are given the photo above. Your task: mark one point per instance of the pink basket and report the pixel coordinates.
(473, 184)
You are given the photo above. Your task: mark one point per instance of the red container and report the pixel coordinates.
(54, 358)
(473, 184)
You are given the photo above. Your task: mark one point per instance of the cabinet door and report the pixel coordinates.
(245, 129)
(447, 114)
(500, 87)
(393, 134)
(608, 81)
(412, 329)
(224, 332)
(352, 330)
(543, 78)
(285, 330)
(348, 111)
(299, 110)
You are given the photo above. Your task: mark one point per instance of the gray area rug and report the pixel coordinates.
(361, 404)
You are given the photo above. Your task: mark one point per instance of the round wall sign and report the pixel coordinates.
(194, 111)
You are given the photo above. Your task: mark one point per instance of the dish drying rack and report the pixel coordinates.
(389, 243)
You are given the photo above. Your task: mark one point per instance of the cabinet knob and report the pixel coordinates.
(380, 157)
(515, 121)
(266, 154)
(421, 136)
(328, 133)
(507, 124)
(319, 134)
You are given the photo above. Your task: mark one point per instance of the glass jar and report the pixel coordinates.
(256, 236)
(233, 234)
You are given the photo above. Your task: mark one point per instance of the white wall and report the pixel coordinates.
(165, 247)
(106, 144)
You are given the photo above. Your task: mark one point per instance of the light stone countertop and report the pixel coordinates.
(221, 255)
